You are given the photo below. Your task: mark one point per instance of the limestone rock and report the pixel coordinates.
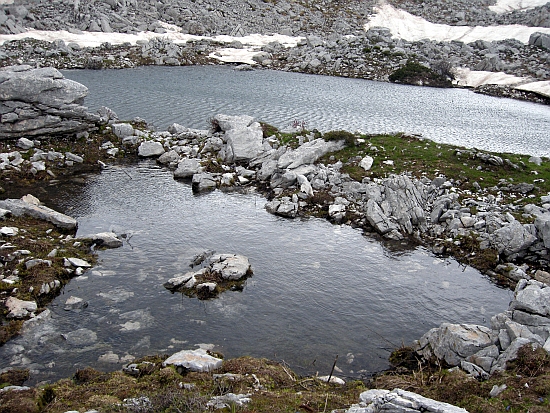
(401, 401)
(204, 182)
(19, 207)
(533, 297)
(455, 342)
(243, 138)
(150, 149)
(20, 309)
(48, 103)
(104, 239)
(366, 163)
(195, 360)
(308, 153)
(512, 238)
(187, 168)
(230, 266)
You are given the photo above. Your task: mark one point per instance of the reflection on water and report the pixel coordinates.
(318, 289)
(192, 95)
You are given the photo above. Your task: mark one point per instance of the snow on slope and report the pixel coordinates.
(412, 28)
(505, 6)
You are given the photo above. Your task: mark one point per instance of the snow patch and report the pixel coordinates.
(405, 26)
(473, 78)
(506, 6)
(95, 39)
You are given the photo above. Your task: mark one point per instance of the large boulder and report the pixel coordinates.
(455, 342)
(41, 101)
(532, 297)
(243, 138)
(512, 238)
(187, 168)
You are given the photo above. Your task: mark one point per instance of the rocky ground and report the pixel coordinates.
(335, 42)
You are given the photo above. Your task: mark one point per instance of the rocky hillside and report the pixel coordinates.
(211, 17)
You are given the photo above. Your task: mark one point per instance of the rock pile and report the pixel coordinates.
(195, 17)
(38, 102)
(220, 272)
(482, 351)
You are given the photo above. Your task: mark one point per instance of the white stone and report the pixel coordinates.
(150, 149)
(366, 163)
(20, 309)
(77, 262)
(195, 360)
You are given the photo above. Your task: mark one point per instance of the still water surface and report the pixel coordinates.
(192, 95)
(318, 290)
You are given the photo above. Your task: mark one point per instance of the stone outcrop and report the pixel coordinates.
(37, 102)
(400, 401)
(396, 206)
(482, 351)
(29, 205)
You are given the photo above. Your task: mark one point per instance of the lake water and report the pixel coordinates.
(318, 290)
(191, 95)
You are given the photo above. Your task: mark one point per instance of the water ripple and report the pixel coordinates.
(192, 95)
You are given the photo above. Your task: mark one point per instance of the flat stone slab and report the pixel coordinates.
(195, 360)
(104, 239)
(20, 207)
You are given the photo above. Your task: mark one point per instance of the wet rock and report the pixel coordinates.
(284, 207)
(75, 304)
(204, 182)
(77, 262)
(80, 337)
(230, 266)
(103, 239)
(194, 360)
